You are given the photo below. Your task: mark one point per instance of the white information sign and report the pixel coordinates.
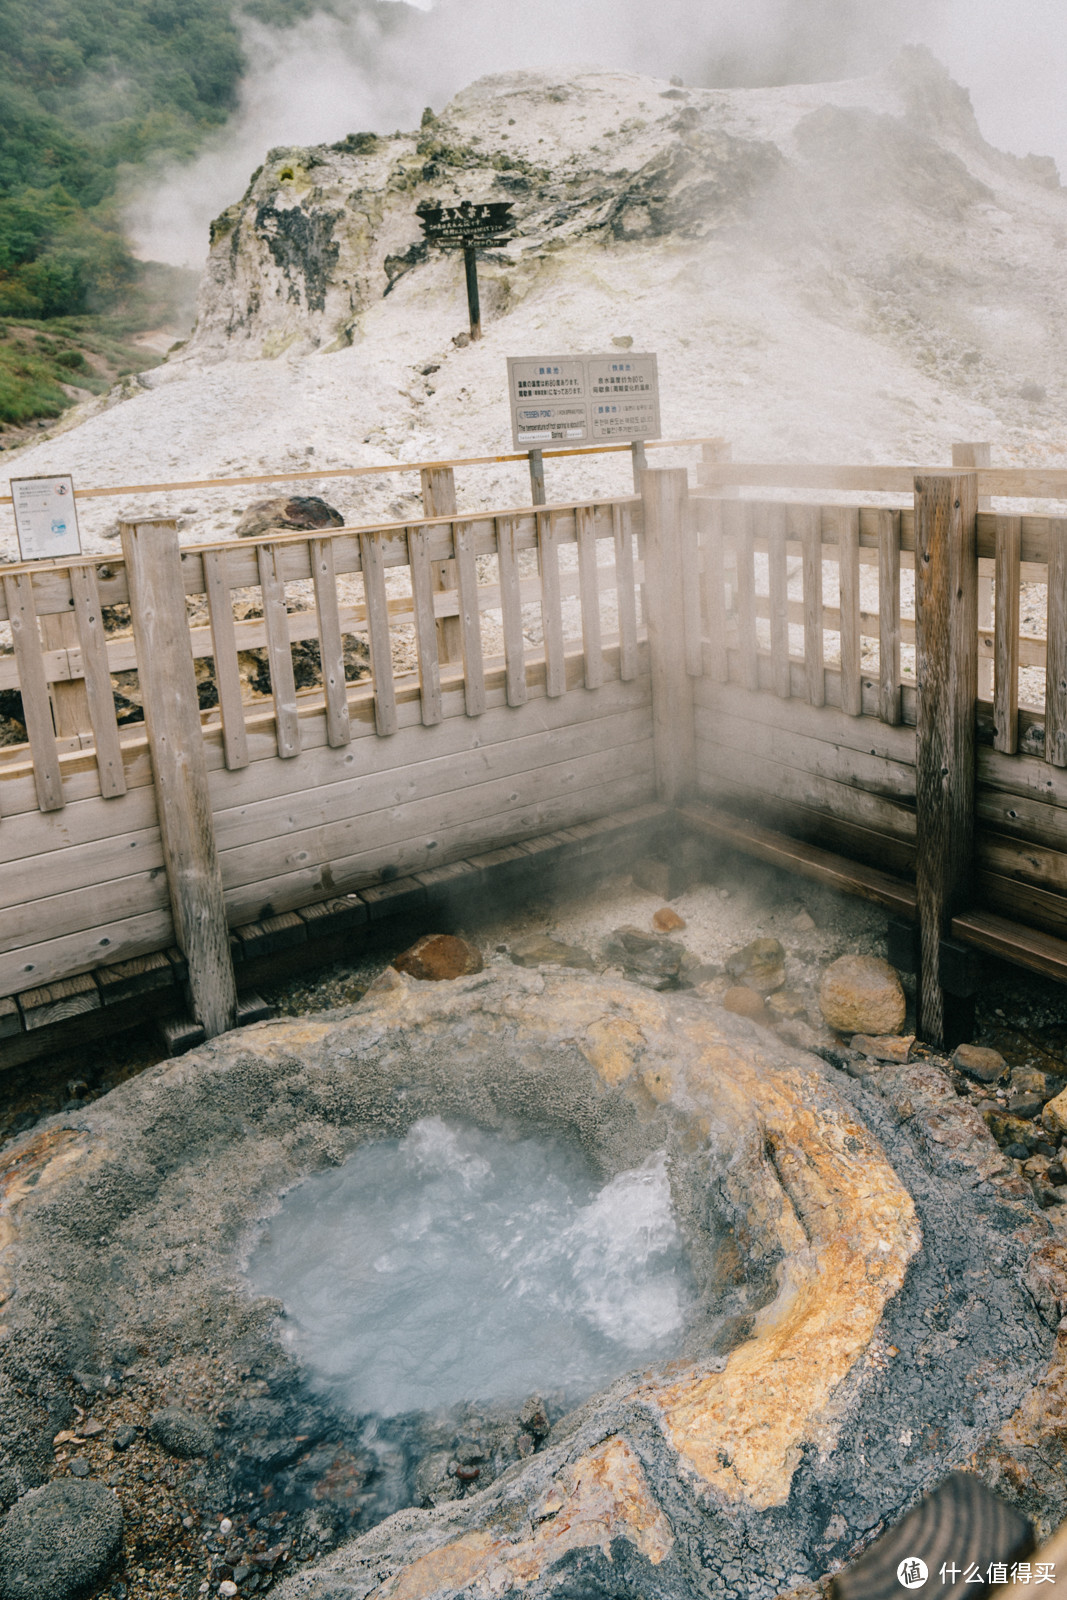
(583, 399)
(46, 518)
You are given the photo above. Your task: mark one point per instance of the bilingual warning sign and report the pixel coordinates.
(46, 518)
(583, 399)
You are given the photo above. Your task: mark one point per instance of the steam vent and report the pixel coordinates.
(872, 1301)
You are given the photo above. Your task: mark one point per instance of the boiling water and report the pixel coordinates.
(456, 1265)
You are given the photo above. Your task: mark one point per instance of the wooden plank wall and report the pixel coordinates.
(323, 793)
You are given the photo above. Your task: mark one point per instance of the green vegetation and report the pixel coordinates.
(39, 358)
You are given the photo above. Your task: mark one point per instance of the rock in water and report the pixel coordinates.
(59, 1540)
(180, 1433)
(288, 511)
(760, 965)
(437, 956)
(862, 994)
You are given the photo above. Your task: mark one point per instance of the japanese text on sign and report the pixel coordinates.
(46, 518)
(583, 399)
(467, 223)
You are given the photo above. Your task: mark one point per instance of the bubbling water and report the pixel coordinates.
(456, 1265)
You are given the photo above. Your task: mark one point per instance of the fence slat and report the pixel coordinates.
(740, 523)
(511, 612)
(36, 706)
(889, 617)
(551, 605)
(470, 625)
(771, 526)
(1056, 649)
(589, 595)
(848, 563)
(625, 594)
(381, 652)
(811, 545)
(90, 624)
(426, 631)
(694, 645)
(224, 655)
(331, 646)
(279, 652)
(1006, 635)
(714, 576)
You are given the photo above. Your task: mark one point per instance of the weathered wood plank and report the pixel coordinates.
(625, 591)
(691, 619)
(70, 702)
(99, 699)
(426, 632)
(1040, 952)
(54, 1002)
(224, 657)
(36, 706)
(820, 725)
(172, 721)
(665, 498)
(331, 646)
(551, 602)
(1006, 637)
(811, 542)
(381, 652)
(946, 605)
(52, 959)
(738, 516)
(439, 500)
(469, 621)
(589, 596)
(1056, 661)
(714, 583)
(761, 777)
(279, 652)
(770, 526)
(889, 617)
(862, 769)
(511, 612)
(848, 559)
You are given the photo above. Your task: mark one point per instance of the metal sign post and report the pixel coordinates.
(468, 226)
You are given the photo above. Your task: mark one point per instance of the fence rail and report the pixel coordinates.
(880, 687)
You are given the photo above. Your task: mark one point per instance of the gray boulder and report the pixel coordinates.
(57, 1541)
(180, 1433)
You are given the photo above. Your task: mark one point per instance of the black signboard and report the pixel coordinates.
(467, 223)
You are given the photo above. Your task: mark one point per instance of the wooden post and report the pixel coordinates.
(712, 452)
(537, 477)
(640, 462)
(179, 769)
(439, 500)
(666, 506)
(470, 263)
(966, 457)
(946, 623)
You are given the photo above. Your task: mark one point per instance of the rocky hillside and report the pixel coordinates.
(837, 270)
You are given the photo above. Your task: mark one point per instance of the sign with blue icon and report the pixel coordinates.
(583, 399)
(46, 518)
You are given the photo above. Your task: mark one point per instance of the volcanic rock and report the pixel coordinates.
(439, 956)
(897, 1047)
(980, 1063)
(645, 958)
(744, 1002)
(288, 511)
(1054, 1115)
(57, 1541)
(862, 994)
(180, 1433)
(760, 965)
(666, 920)
(541, 951)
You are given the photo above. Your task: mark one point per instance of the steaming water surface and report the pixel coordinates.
(458, 1265)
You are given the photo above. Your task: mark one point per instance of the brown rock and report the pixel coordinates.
(977, 1061)
(787, 1003)
(895, 1047)
(541, 951)
(760, 965)
(744, 1002)
(1011, 1130)
(288, 511)
(1029, 1080)
(862, 994)
(1054, 1115)
(437, 956)
(666, 921)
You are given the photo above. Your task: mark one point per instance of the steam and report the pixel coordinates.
(376, 66)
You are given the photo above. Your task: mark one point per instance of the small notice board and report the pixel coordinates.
(595, 399)
(46, 518)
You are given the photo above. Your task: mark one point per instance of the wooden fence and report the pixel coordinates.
(801, 679)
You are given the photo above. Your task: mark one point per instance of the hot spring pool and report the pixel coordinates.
(456, 1265)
